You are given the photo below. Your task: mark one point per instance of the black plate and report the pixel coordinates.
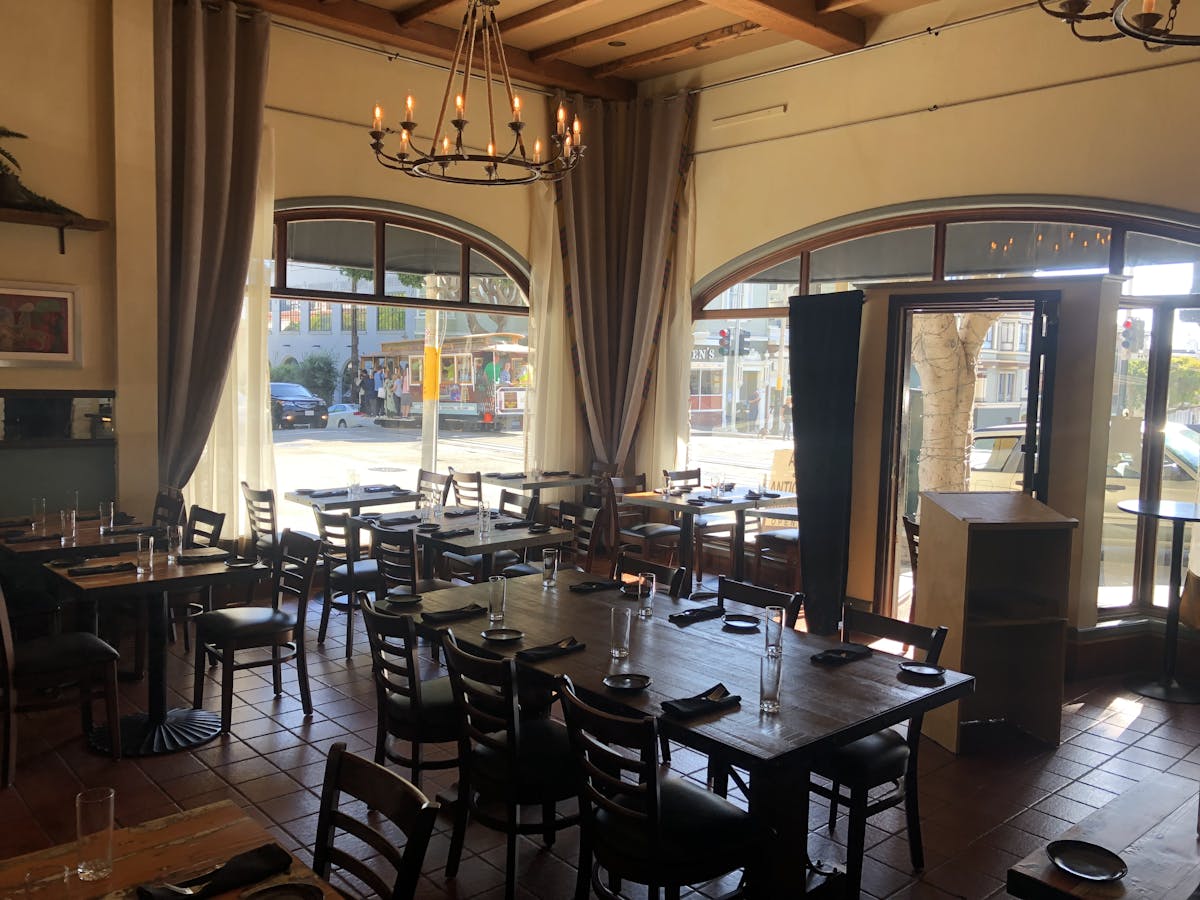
(922, 670)
(741, 622)
(501, 635)
(399, 602)
(538, 529)
(627, 681)
(1090, 862)
(428, 526)
(293, 890)
(240, 564)
(304, 491)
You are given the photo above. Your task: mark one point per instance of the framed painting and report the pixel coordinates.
(39, 325)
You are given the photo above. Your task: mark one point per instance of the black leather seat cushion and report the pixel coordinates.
(439, 713)
(713, 523)
(500, 559)
(876, 759)
(424, 586)
(780, 536)
(517, 570)
(545, 765)
(695, 823)
(651, 530)
(60, 652)
(366, 572)
(243, 622)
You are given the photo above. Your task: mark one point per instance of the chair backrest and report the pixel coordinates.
(395, 667)
(260, 508)
(395, 554)
(168, 508)
(593, 494)
(433, 482)
(682, 478)
(386, 793)
(514, 504)
(618, 764)
(468, 488)
(912, 533)
(753, 595)
(669, 578)
(586, 524)
(203, 528)
(619, 514)
(294, 571)
(485, 692)
(339, 538)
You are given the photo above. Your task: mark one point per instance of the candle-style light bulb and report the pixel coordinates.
(1148, 6)
(537, 151)
(458, 105)
(516, 109)
(577, 128)
(562, 119)
(377, 123)
(408, 107)
(404, 140)
(445, 144)
(491, 149)
(567, 145)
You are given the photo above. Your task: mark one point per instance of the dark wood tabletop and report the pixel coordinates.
(352, 504)
(88, 542)
(162, 578)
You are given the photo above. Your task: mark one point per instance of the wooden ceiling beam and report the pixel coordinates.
(371, 23)
(676, 49)
(834, 32)
(547, 12)
(419, 11)
(615, 30)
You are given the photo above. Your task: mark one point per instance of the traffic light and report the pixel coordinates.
(1133, 334)
(743, 346)
(723, 343)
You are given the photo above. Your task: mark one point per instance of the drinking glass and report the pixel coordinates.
(94, 826)
(666, 489)
(499, 589)
(38, 519)
(647, 585)
(66, 527)
(145, 554)
(485, 520)
(107, 514)
(352, 481)
(774, 631)
(621, 618)
(549, 568)
(770, 670)
(174, 543)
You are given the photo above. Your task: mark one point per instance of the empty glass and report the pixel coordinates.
(485, 520)
(499, 590)
(145, 554)
(107, 512)
(774, 631)
(352, 481)
(621, 618)
(67, 527)
(549, 568)
(94, 826)
(174, 543)
(647, 585)
(770, 672)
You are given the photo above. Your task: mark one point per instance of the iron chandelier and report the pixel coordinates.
(1138, 19)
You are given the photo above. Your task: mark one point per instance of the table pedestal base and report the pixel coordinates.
(1171, 691)
(182, 729)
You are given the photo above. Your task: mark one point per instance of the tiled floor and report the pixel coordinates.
(980, 812)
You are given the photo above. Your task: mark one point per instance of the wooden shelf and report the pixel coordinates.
(58, 221)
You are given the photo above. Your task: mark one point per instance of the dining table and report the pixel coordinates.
(346, 499)
(534, 483)
(171, 849)
(686, 505)
(160, 729)
(29, 547)
(821, 707)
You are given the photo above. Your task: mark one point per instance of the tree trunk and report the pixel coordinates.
(945, 347)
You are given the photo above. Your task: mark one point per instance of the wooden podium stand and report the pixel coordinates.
(995, 568)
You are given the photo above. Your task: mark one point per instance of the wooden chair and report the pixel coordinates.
(433, 483)
(669, 578)
(398, 566)
(203, 529)
(264, 524)
(880, 758)
(641, 825)
(912, 534)
(505, 760)
(469, 566)
(407, 707)
(592, 494)
(468, 488)
(32, 671)
(223, 632)
(387, 794)
(346, 574)
(168, 508)
(716, 529)
(629, 525)
(780, 547)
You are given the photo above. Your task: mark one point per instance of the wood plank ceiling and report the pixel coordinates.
(603, 47)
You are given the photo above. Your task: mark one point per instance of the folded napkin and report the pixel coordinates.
(446, 534)
(245, 868)
(509, 475)
(33, 538)
(14, 533)
(123, 518)
(135, 529)
(15, 523)
(716, 698)
(697, 614)
(563, 472)
(202, 555)
(843, 653)
(383, 489)
(103, 569)
(590, 587)
(332, 492)
(89, 516)
(550, 651)
(506, 526)
(460, 513)
(399, 519)
(754, 495)
(470, 611)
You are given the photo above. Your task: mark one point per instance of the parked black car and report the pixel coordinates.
(294, 404)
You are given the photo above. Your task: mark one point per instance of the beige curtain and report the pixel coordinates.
(666, 423)
(618, 214)
(239, 446)
(210, 77)
(555, 438)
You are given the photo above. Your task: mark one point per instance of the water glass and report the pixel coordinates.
(485, 520)
(621, 618)
(774, 631)
(352, 481)
(145, 554)
(94, 828)
(770, 671)
(666, 488)
(549, 568)
(647, 585)
(38, 519)
(174, 543)
(499, 590)
(107, 516)
(67, 527)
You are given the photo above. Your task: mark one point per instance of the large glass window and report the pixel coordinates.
(1159, 266)
(354, 317)
(419, 264)
(905, 255)
(320, 316)
(331, 255)
(994, 249)
(289, 315)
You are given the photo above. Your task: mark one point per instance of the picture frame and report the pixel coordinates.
(39, 325)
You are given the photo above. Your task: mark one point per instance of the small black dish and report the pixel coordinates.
(921, 670)
(304, 491)
(63, 563)
(501, 635)
(741, 622)
(1090, 862)
(538, 529)
(626, 681)
(240, 563)
(428, 526)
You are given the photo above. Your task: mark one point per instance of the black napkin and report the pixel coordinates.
(105, 569)
(452, 533)
(33, 538)
(841, 654)
(383, 489)
(563, 472)
(245, 868)
(332, 492)
(506, 526)
(695, 501)
(697, 614)
(135, 529)
(470, 611)
(399, 519)
(459, 513)
(716, 698)
(123, 518)
(550, 651)
(509, 475)
(13, 533)
(202, 555)
(769, 494)
(590, 587)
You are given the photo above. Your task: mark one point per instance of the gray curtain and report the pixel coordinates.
(210, 65)
(617, 218)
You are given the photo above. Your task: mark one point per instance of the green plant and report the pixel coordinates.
(318, 373)
(8, 162)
